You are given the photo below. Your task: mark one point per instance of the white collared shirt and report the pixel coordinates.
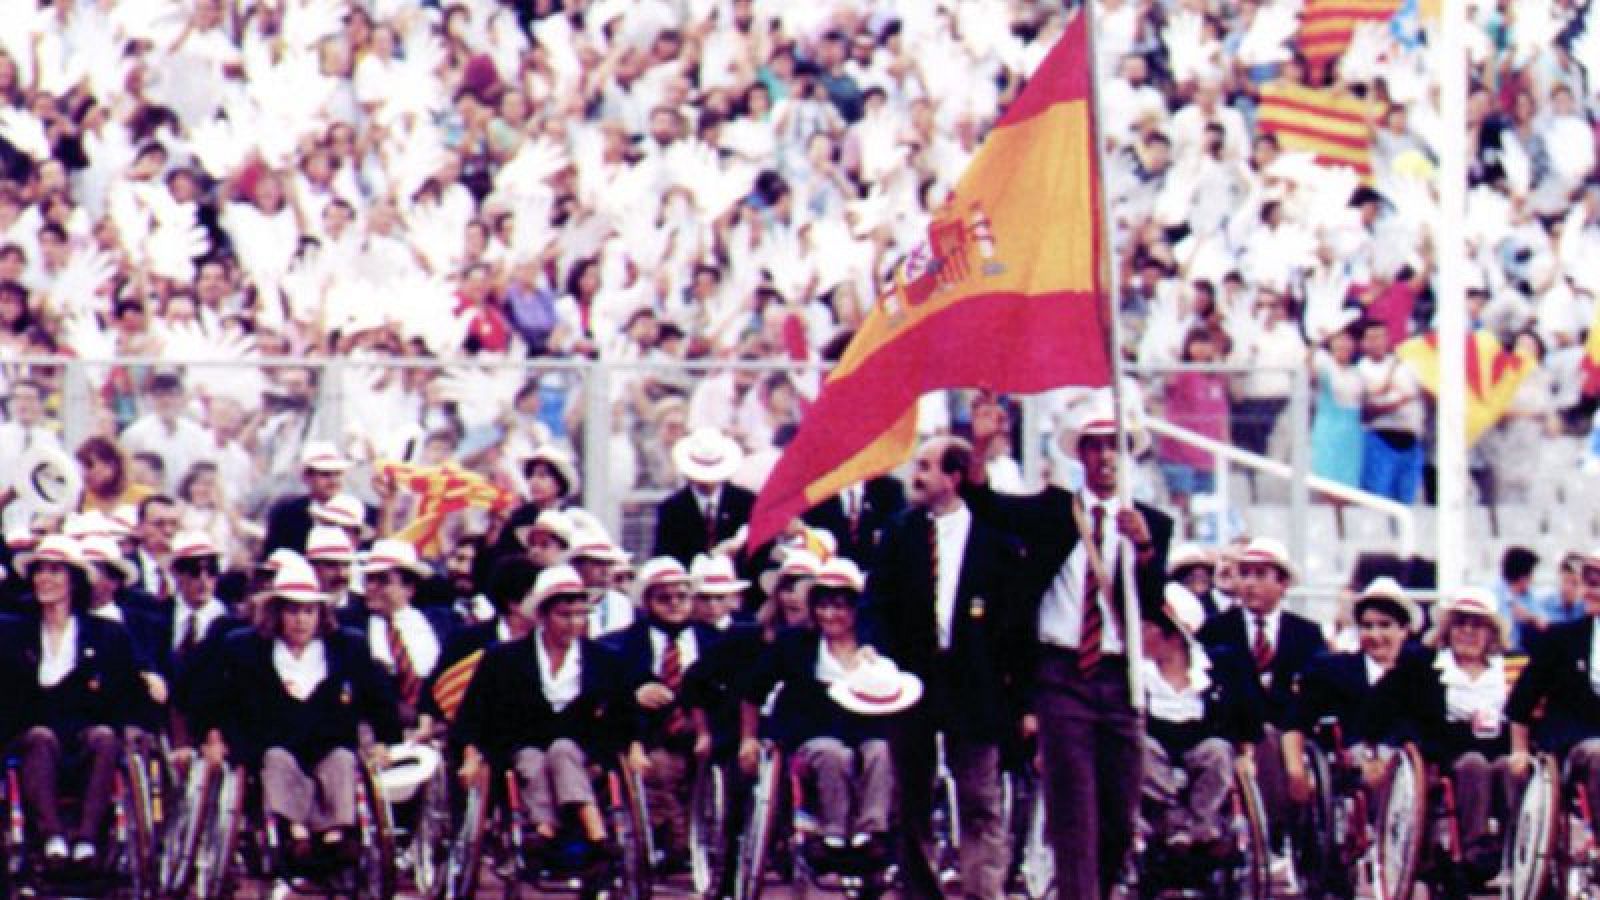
(562, 686)
(1061, 611)
(1169, 703)
(422, 645)
(300, 674)
(56, 663)
(1271, 622)
(951, 531)
(209, 612)
(1594, 660)
(111, 612)
(612, 613)
(688, 649)
(829, 667)
(1472, 698)
(1374, 671)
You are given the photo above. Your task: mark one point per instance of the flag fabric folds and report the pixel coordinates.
(1004, 294)
(1591, 357)
(1328, 123)
(1326, 26)
(441, 490)
(1493, 375)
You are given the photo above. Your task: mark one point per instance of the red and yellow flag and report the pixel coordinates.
(1005, 294)
(441, 490)
(1326, 26)
(1329, 123)
(1493, 375)
(1591, 357)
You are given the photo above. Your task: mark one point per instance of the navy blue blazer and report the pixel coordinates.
(1299, 642)
(973, 690)
(505, 708)
(256, 713)
(102, 689)
(1233, 707)
(804, 710)
(1335, 686)
(1558, 676)
(1410, 708)
(883, 499)
(681, 527)
(637, 656)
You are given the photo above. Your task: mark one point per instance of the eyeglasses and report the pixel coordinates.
(671, 596)
(385, 577)
(195, 568)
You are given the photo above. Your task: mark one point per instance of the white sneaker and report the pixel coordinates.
(83, 852)
(56, 848)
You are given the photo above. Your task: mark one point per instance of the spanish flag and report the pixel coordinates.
(1493, 375)
(1326, 26)
(1329, 123)
(1004, 294)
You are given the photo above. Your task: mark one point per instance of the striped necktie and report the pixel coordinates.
(1091, 632)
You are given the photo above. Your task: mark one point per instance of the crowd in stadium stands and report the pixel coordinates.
(734, 180)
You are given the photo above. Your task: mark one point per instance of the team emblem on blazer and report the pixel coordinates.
(977, 608)
(344, 694)
(94, 683)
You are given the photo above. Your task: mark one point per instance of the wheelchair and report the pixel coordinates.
(1419, 835)
(493, 828)
(1551, 851)
(1334, 835)
(778, 790)
(238, 840)
(126, 864)
(415, 793)
(1033, 873)
(712, 801)
(1237, 868)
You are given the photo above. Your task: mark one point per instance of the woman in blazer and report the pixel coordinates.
(297, 690)
(1451, 704)
(547, 705)
(835, 732)
(74, 687)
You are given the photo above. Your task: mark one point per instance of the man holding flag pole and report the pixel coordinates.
(1012, 292)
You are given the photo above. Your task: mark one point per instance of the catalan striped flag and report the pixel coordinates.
(1591, 357)
(450, 688)
(1004, 294)
(1326, 26)
(1329, 123)
(442, 490)
(1493, 375)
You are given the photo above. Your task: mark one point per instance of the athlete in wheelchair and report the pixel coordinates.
(1333, 755)
(553, 712)
(73, 686)
(831, 726)
(1443, 711)
(1554, 708)
(299, 693)
(1202, 822)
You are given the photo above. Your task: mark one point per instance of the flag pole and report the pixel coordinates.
(1450, 283)
(1132, 638)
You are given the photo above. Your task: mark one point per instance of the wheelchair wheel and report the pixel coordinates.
(1531, 850)
(708, 823)
(219, 838)
(134, 828)
(1402, 824)
(430, 836)
(1038, 860)
(183, 828)
(630, 827)
(1318, 847)
(946, 823)
(765, 803)
(1254, 874)
(465, 860)
(375, 870)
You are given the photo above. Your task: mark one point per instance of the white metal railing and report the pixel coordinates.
(1228, 454)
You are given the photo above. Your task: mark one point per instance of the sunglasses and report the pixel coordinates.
(196, 567)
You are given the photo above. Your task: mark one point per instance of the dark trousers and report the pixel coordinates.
(1091, 739)
(44, 754)
(975, 766)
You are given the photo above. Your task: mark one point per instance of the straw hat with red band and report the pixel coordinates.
(1468, 601)
(101, 550)
(877, 688)
(322, 456)
(1270, 552)
(388, 555)
(707, 456)
(20, 538)
(295, 581)
(559, 463)
(326, 543)
(558, 581)
(1386, 594)
(343, 511)
(592, 543)
(1096, 416)
(553, 522)
(194, 545)
(54, 548)
(94, 523)
(797, 563)
(124, 520)
(1183, 609)
(661, 572)
(1189, 555)
(715, 575)
(840, 574)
